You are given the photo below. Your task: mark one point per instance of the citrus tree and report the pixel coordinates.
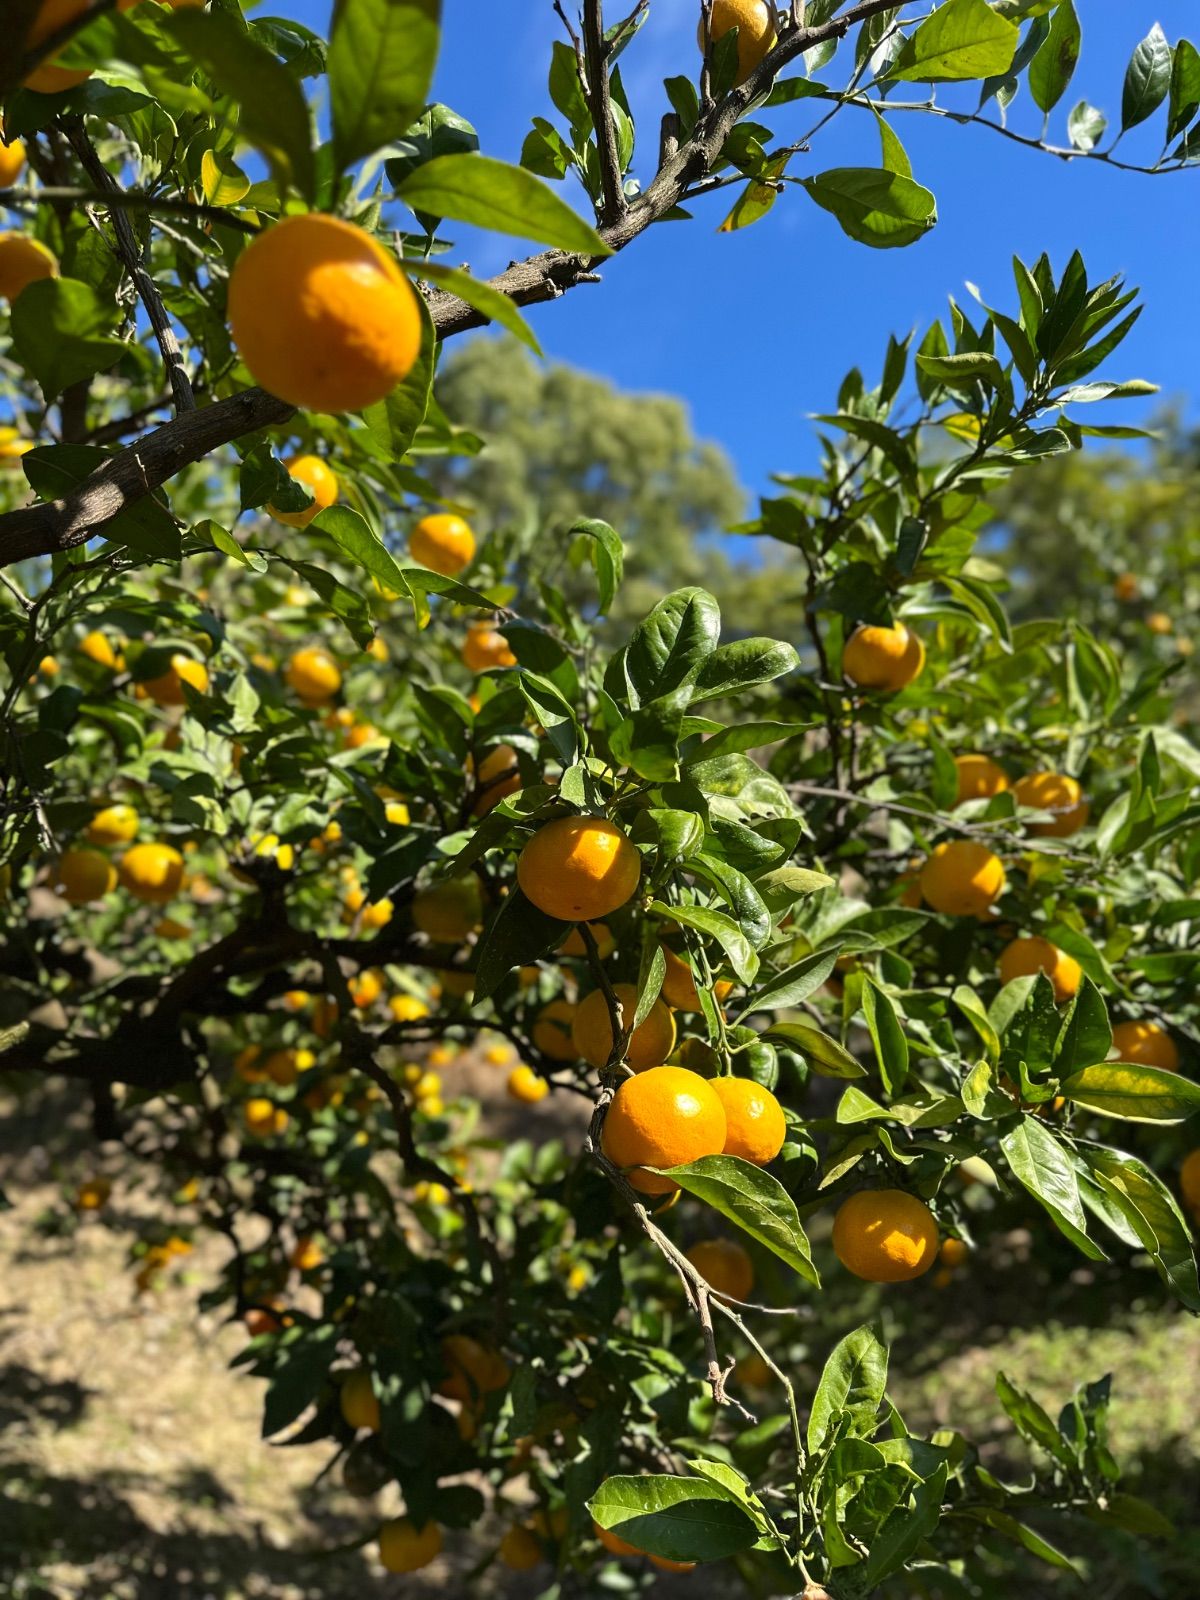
(882, 933)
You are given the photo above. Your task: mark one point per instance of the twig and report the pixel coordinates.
(599, 95)
(132, 257)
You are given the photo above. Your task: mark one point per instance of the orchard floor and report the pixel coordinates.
(131, 1466)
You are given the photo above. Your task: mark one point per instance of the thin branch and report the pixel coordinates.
(935, 818)
(127, 200)
(599, 97)
(131, 255)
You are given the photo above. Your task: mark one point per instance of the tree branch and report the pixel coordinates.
(597, 91)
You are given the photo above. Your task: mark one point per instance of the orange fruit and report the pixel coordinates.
(405, 1547)
(979, 777)
(1146, 1044)
(1189, 1178)
(113, 825)
(323, 315)
(664, 1117)
(46, 78)
(484, 648)
(449, 911)
(496, 777)
(755, 23)
(613, 1543)
(552, 1031)
(527, 1086)
(592, 1034)
(82, 876)
(1126, 586)
(307, 1255)
(167, 689)
(579, 869)
(93, 1195)
(23, 261)
(1053, 791)
(317, 477)
(152, 872)
(358, 1401)
(12, 159)
(407, 1008)
(519, 1550)
(1021, 957)
(263, 1118)
(442, 542)
(473, 1369)
(314, 676)
(726, 1265)
(883, 658)
(953, 1252)
(574, 946)
(1159, 622)
(665, 1565)
(679, 984)
(962, 878)
(754, 1123)
(885, 1235)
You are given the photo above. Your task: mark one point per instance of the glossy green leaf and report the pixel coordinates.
(852, 1385)
(961, 39)
(887, 1036)
(1053, 67)
(1147, 79)
(826, 1057)
(680, 1519)
(738, 949)
(62, 332)
(1134, 1093)
(491, 194)
(1038, 1161)
(1153, 1213)
(381, 59)
(874, 206)
(756, 1201)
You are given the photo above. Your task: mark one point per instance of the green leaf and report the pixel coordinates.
(349, 607)
(1031, 1419)
(1185, 87)
(1086, 1035)
(680, 1519)
(963, 370)
(1134, 1093)
(353, 535)
(273, 113)
(395, 420)
(1147, 79)
(608, 556)
(62, 332)
(381, 61)
(743, 664)
(491, 194)
(1150, 1208)
(794, 984)
(1053, 67)
(756, 1201)
(518, 934)
(1040, 1163)
(874, 206)
(738, 949)
(489, 302)
(1020, 1533)
(906, 1528)
(962, 39)
(852, 1385)
(826, 1057)
(670, 647)
(968, 1003)
(223, 181)
(887, 1036)
(1086, 125)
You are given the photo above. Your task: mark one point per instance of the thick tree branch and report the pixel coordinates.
(599, 98)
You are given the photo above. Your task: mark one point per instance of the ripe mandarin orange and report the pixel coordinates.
(448, 911)
(979, 777)
(1053, 791)
(883, 658)
(754, 1123)
(663, 1117)
(152, 872)
(755, 24)
(319, 479)
(23, 261)
(885, 1235)
(485, 648)
(442, 542)
(314, 676)
(167, 689)
(405, 1547)
(591, 1030)
(1146, 1044)
(552, 1031)
(82, 876)
(726, 1266)
(679, 984)
(962, 878)
(579, 869)
(1021, 957)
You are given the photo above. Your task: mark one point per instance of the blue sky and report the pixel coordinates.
(754, 330)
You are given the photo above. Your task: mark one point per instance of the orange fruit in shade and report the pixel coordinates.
(574, 946)
(472, 1368)
(755, 23)
(96, 647)
(1189, 1178)
(591, 1030)
(263, 1118)
(1022, 957)
(82, 876)
(613, 1543)
(664, 1565)
(93, 1195)
(23, 261)
(1159, 622)
(152, 872)
(485, 647)
(579, 869)
(1053, 791)
(527, 1086)
(113, 825)
(663, 1117)
(318, 478)
(12, 159)
(552, 1031)
(313, 675)
(358, 1402)
(449, 911)
(962, 878)
(726, 1265)
(407, 1008)
(405, 1547)
(754, 1122)
(679, 984)
(442, 542)
(1146, 1045)
(885, 1235)
(496, 776)
(979, 777)
(167, 689)
(953, 1252)
(307, 1255)
(46, 78)
(519, 1550)
(883, 658)
(1126, 586)
(323, 315)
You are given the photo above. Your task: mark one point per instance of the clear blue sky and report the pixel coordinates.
(755, 329)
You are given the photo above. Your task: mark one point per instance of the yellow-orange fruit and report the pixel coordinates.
(23, 261)
(167, 689)
(979, 777)
(883, 658)
(1189, 1178)
(527, 1086)
(664, 1117)
(1146, 1044)
(82, 876)
(473, 1369)
(574, 946)
(318, 478)
(885, 1235)
(1126, 587)
(358, 1401)
(405, 1547)
(726, 1266)
(12, 159)
(1021, 957)
(485, 647)
(314, 676)
(679, 984)
(1159, 622)
(449, 911)
(497, 776)
(113, 825)
(613, 1543)
(519, 1550)
(552, 1031)
(962, 878)
(152, 872)
(323, 315)
(754, 1122)
(953, 1252)
(591, 1030)
(579, 869)
(442, 542)
(755, 24)
(46, 77)
(1053, 791)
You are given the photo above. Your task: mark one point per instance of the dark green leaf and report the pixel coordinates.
(756, 1201)
(680, 1519)
(381, 60)
(1147, 79)
(62, 332)
(852, 1385)
(491, 194)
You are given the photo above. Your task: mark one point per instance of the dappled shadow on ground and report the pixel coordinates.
(27, 1397)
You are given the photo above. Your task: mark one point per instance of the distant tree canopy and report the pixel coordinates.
(564, 444)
